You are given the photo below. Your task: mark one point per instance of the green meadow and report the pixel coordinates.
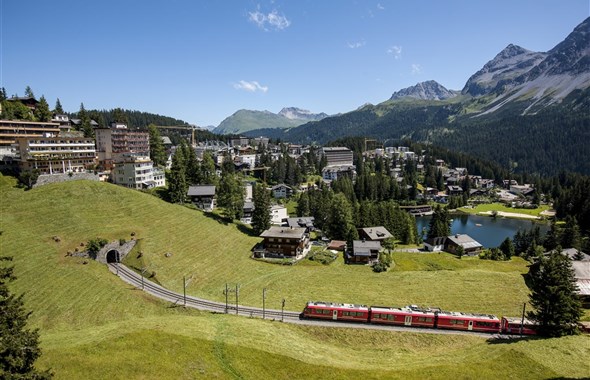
(93, 325)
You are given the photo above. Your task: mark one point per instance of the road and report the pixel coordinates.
(135, 279)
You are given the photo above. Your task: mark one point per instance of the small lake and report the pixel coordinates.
(490, 232)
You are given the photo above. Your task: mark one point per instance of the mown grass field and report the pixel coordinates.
(93, 325)
(502, 207)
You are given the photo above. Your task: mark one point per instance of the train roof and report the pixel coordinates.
(340, 305)
(411, 309)
(468, 315)
(518, 320)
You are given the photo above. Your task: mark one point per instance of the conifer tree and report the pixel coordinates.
(231, 195)
(29, 92)
(58, 108)
(261, 219)
(19, 347)
(42, 112)
(177, 186)
(157, 151)
(303, 205)
(440, 224)
(554, 298)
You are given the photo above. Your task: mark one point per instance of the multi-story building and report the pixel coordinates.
(65, 152)
(11, 129)
(136, 172)
(337, 156)
(117, 141)
(339, 162)
(284, 242)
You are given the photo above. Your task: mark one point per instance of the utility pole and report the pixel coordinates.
(283, 310)
(522, 320)
(226, 294)
(237, 298)
(142, 271)
(263, 302)
(184, 288)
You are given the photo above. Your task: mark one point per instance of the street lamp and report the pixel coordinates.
(263, 303)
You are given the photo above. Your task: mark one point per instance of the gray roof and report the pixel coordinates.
(284, 232)
(166, 140)
(301, 222)
(201, 190)
(465, 241)
(377, 233)
(364, 247)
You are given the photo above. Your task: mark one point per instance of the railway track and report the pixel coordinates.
(135, 279)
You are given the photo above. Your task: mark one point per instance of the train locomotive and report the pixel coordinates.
(415, 316)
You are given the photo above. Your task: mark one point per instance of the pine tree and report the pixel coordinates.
(303, 205)
(19, 347)
(340, 221)
(177, 186)
(261, 219)
(58, 108)
(157, 151)
(440, 224)
(231, 195)
(554, 297)
(3, 95)
(29, 92)
(208, 174)
(42, 112)
(507, 248)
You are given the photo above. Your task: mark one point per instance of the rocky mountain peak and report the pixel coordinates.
(294, 113)
(429, 90)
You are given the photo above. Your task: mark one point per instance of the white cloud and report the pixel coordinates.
(272, 20)
(396, 51)
(380, 7)
(252, 86)
(416, 69)
(356, 45)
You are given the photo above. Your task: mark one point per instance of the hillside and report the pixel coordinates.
(95, 326)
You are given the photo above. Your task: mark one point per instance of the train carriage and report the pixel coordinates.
(336, 311)
(469, 322)
(512, 325)
(404, 316)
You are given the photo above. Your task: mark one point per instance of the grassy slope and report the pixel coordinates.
(502, 207)
(95, 326)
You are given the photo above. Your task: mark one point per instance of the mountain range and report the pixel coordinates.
(248, 120)
(524, 106)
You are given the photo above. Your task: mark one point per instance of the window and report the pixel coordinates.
(377, 316)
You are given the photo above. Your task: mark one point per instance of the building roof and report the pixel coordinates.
(166, 140)
(284, 232)
(281, 185)
(364, 247)
(464, 240)
(249, 206)
(306, 222)
(337, 244)
(336, 149)
(572, 253)
(201, 190)
(434, 241)
(376, 233)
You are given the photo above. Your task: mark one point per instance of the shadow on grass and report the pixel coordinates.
(510, 339)
(218, 218)
(246, 230)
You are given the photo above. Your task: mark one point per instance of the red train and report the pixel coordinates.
(415, 316)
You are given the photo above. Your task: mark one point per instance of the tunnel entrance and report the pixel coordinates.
(113, 256)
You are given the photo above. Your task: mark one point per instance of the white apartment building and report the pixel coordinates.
(137, 172)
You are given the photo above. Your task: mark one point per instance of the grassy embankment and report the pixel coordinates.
(95, 326)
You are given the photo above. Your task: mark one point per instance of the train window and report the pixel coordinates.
(345, 313)
(390, 317)
(377, 316)
(326, 311)
(360, 314)
(424, 319)
(456, 322)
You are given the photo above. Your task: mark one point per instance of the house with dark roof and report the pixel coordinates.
(470, 246)
(283, 242)
(436, 244)
(304, 222)
(363, 252)
(282, 191)
(378, 233)
(202, 196)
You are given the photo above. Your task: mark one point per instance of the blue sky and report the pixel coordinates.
(200, 61)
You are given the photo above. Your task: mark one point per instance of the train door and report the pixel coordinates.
(470, 327)
(334, 314)
(408, 321)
